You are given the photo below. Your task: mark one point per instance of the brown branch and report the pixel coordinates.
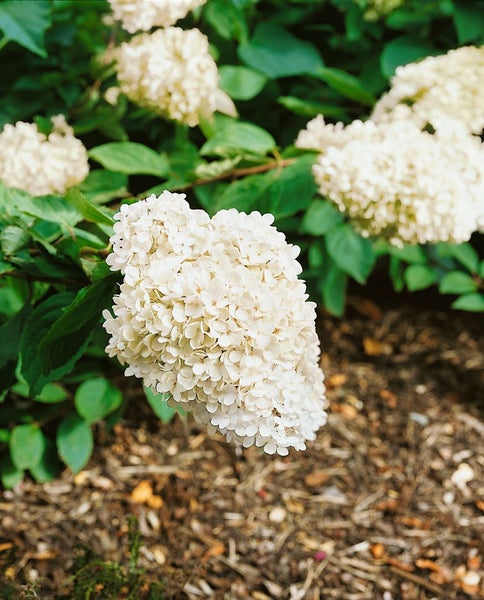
(432, 587)
(238, 173)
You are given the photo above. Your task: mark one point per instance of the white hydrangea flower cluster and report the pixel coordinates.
(438, 88)
(41, 164)
(212, 311)
(172, 73)
(398, 182)
(142, 15)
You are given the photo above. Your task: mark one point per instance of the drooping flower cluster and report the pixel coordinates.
(436, 89)
(398, 182)
(212, 311)
(172, 73)
(42, 164)
(142, 15)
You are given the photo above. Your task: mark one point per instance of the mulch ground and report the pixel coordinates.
(387, 503)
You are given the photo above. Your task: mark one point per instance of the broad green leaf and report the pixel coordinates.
(159, 404)
(48, 466)
(227, 19)
(74, 442)
(34, 331)
(409, 254)
(320, 217)
(352, 253)
(96, 398)
(469, 21)
(481, 270)
(9, 474)
(419, 277)
(241, 83)
(130, 158)
(11, 332)
(277, 53)
(50, 208)
(239, 137)
(464, 253)
(346, 84)
(101, 185)
(25, 22)
(396, 270)
(12, 239)
(293, 188)
(403, 50)
(332, 286)
(457, 282)
(244, 194)
(52, 393)
(26, 444)
(311, 108)
(470, 303)
(70, 332)
(88, 210)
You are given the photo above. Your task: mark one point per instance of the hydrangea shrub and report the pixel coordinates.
(203, 174)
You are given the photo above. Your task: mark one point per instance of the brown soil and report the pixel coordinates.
(387, 503)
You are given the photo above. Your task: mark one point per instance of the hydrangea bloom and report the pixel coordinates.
(436, 89)
(212, 311)
(140, 15)
(42, 164)
(398, 182)
(171, 73)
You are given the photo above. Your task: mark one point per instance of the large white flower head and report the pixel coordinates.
(42, 164)
(212, 311)
(400, 183)
(437, 88)
(142, 15)
(172, 73)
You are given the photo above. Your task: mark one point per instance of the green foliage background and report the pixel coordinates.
(282, 62)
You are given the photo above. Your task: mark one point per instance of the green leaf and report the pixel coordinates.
(130, 158)
(464, 253)
(403, 50)
(293, 188)
(227, 19)
(50, 208)
(9, 474)
(277, 53)
(396, 270)
(96, 398)
(74, 442)
(457, 282)
(468, 21)
(332, 285)
(352, 253)
(241, 83)
(158, 403)
(69, 334)
(48, 466)
(12, 239)
(34, 331)
(25, 22)
(419, 277)
(311, 108)
(409, 254)
(244, 194)
(87, 209)
(11, 330)
(346, 84)
(320, 217)
(52, 393)
(26, 445)
(470, 303)
(239, 137)
(101, 185)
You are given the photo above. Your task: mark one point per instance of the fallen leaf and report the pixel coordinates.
(390, 398)
(425, 563)
(142, 492)
(377, 550)
(316, 478)
(374, 347)
(336, 380)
